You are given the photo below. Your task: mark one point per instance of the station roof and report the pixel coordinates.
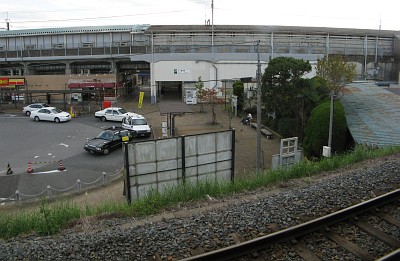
(79, 29)
(372, 114)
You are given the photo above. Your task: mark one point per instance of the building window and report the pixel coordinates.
(120, 43)
(30, 47)
(88, 45)
(58, 46)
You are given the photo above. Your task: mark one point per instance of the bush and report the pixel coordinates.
(287, 127)
(317, 131)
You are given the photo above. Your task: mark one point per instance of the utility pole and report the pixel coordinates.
(212, 23)
(258, 155)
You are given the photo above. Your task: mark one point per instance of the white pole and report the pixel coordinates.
(212, 22)
(258, 162)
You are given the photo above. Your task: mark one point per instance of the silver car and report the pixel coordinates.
(33, 107)
(50, 114)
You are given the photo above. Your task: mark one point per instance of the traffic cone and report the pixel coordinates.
(61, 166)
(29, 170)
(9, 171)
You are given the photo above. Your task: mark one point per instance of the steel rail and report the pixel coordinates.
(247, 247)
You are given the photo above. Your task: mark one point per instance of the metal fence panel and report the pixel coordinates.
(161, 164)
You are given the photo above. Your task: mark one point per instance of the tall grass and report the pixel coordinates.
(51, 218)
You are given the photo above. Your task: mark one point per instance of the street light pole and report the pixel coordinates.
(258, 155)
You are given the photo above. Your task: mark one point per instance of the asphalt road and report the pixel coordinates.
(23, 140)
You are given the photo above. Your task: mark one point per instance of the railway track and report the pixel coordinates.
(345, 230)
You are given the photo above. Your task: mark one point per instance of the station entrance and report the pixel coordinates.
(169, 91)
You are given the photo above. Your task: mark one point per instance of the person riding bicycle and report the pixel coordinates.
(247, 119)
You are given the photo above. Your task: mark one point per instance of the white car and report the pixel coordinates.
(33, 107)
(50, 114)
(113, 114)
(137, 125)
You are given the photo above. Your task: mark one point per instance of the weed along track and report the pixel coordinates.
(346, 230)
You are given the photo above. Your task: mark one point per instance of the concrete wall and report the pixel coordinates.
(157, 164)
(190, 71)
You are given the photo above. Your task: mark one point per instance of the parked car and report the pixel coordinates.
(112, 114)
(50, 114)
(33, 107)
(108, 140)
(137, 125)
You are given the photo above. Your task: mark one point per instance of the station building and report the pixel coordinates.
(110, 62)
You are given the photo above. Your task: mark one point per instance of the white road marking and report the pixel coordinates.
(50, 171)
(62, 144)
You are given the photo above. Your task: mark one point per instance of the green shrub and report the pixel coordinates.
(317, 131)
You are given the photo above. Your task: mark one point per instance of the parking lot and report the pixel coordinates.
(43, 145)
(24, 140)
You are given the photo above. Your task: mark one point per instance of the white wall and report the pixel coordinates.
(209, 72)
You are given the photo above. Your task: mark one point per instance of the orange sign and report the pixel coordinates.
(11, 82)
(3, 81)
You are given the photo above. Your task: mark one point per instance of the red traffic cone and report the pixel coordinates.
(30, 170)
(61, 166)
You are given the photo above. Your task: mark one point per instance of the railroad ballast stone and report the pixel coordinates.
(210, 229)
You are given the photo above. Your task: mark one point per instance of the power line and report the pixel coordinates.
(95, 18)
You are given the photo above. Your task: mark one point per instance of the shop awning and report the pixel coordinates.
(74, 85)
(109, 85)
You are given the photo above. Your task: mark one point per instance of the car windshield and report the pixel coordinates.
(122, 111)
(45, 105)
(105, 135)
(56, 110)
(139, 122)
(124, 133)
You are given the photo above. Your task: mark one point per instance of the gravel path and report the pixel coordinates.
(173, 234)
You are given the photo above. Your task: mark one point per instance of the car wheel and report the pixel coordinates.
(103, 118)
(57, 120)
(37, 118)
(28, 113)
(106, 151)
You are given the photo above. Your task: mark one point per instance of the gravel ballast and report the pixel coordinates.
(250, 215)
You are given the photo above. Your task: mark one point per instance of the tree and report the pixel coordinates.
(283, 90)
(210, 97)
(200, 92)
(335, 71)
(238, 90)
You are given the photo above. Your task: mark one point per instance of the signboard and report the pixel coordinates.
(181, 71)
(164, 126)
(141, 95)
(11, 82)
(16, 81)
(3, 81)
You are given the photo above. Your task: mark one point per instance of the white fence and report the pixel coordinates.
(165, 163)
(50, 192)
